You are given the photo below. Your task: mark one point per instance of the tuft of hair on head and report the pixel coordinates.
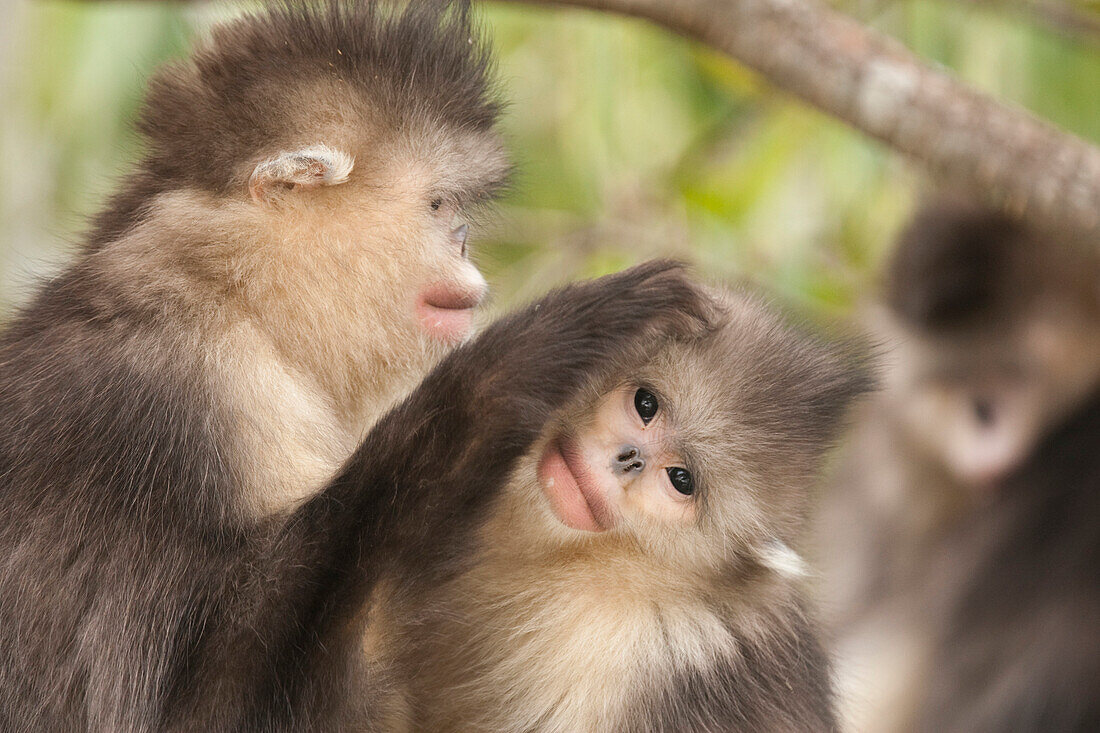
(952, 264)
(205, 119)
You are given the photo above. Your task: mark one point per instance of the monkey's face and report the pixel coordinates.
(445, 300)
(396, 217)
(368, 233)
(442, 180)
(699, 457)
(979, 404)
(624, 467)
(981, 425)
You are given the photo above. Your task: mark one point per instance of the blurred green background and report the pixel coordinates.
(631, 142)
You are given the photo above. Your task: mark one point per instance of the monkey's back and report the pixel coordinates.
(111, 464)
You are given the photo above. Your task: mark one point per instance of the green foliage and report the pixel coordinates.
(631, 142)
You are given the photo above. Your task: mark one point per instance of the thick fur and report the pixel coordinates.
(648, 628)
(333, 70)
(901, 537)
(295, 310)
(1020, 650)
(211, 360)
(132, 595)
(300, 306)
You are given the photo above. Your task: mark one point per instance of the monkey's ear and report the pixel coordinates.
(317, 165)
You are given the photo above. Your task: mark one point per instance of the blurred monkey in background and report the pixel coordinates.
(991, 333)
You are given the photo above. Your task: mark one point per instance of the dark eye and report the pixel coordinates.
(681, 480)
(436, 203)
(646, 405)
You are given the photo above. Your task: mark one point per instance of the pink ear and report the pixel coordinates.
(317, 165)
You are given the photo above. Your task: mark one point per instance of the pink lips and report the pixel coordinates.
(446, 311)
(574, 497)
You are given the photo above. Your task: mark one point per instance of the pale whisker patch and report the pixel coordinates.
(779, 557)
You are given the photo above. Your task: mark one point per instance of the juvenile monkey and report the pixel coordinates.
(635, 573)
(992, 337)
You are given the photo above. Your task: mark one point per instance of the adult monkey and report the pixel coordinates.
(286, 259)
(296, 230)
(953, 469)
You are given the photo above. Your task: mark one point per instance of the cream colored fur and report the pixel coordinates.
(540, 637)
(555, 630)
(302, 305)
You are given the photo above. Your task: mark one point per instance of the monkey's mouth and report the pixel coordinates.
(446, 312)
(574, 497)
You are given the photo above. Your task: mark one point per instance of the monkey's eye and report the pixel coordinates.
(681, 480)
(646, 405)
(436, 203)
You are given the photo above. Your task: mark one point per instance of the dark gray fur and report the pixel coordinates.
(996, 588)
(757, 404)
(1020, 650)
(782, 685)
(132, 596)
(205, 117)
(1019, 645)
(136, 594)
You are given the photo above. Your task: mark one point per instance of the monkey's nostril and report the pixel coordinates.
(459, 236)
(983, 411)
(629, 460)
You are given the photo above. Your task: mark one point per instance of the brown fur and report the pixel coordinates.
(647, 628)
(219, 347)
(134, 596)
(979, 306)
(300, 305)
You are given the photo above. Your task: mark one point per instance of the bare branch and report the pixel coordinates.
(884, 90)
(1060, 17)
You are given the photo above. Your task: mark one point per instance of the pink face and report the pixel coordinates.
(621, 469)
(445, 307)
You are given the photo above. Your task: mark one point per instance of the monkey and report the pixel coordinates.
(286, 260)
(133, 597)
(1019, 649)
(636, 571)
(299, 221)
(991, 334)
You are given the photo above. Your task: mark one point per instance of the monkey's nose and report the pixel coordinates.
(629, 460)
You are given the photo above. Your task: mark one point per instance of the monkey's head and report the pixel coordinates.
(996, 335)
(705, 452)
(327, 160)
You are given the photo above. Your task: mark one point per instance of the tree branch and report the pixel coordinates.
(882, 89)
(1060, 17)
